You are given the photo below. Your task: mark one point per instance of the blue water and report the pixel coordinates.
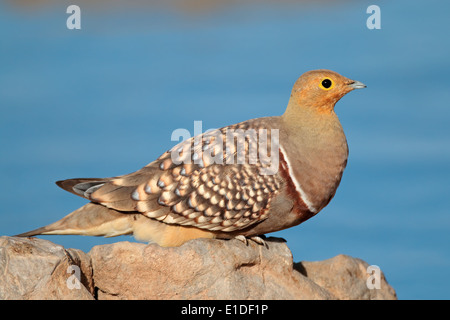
(104, 100)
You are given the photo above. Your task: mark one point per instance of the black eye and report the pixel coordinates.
(326, 83)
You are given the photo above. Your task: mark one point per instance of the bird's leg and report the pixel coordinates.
(242, 239)
(258, 239)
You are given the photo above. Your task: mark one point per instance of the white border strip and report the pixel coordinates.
(297, 185)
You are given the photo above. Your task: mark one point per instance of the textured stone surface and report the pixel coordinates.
(346, 278)
(199, 269)
(38, 269)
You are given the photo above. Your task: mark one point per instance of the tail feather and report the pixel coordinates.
(92, 220)
(82, 186)
(32, 233)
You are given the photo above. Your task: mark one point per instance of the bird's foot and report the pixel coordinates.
(258, 239)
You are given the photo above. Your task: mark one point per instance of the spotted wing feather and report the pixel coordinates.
(200, 182)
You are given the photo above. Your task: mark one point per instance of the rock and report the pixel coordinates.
(38, 269)
(199, 269)
(346, 278)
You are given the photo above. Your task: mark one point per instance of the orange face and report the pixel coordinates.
(321, 89)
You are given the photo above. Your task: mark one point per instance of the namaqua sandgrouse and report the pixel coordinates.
(240, 181)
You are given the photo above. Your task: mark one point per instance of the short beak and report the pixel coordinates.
(356, 85)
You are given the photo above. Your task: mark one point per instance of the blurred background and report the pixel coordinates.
(103, 101)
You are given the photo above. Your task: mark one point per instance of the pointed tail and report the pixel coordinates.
(91, 220)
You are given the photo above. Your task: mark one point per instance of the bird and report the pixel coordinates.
(215, 186)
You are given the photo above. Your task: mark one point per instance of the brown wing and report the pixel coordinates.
(201, 182)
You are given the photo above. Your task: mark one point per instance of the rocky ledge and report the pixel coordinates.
(32, 268)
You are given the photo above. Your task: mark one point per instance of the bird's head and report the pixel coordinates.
(319, 90)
